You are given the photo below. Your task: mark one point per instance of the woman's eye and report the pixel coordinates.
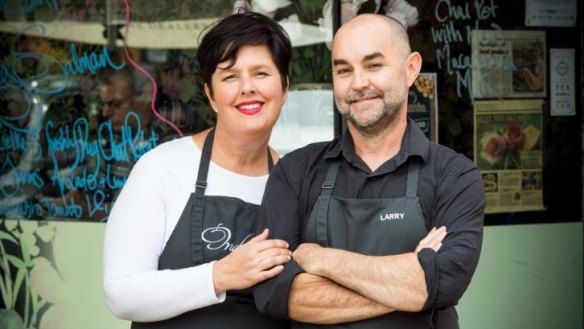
(343, 71)
(261, 74)
(230, 77)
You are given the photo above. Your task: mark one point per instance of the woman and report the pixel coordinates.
(179, 250)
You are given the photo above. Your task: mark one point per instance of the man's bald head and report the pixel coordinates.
(380, 25)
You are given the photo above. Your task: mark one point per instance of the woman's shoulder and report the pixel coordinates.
(172, 153)
(179, 147)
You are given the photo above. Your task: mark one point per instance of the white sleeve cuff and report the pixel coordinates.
(221, 296)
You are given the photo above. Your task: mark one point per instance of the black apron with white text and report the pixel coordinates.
(372, 227)
(209, 228)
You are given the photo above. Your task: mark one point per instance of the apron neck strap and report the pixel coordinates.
(270, 160)
(412, 187)
(201, 183)
(331, 177)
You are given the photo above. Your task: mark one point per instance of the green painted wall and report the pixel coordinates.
(529, 276)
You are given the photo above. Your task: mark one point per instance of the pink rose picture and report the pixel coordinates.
(501, 146)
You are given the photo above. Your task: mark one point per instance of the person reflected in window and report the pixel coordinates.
(119, 96)
(179, 247)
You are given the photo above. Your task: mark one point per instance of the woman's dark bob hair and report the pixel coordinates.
(228, 35)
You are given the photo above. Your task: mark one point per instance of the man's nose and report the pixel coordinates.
(360, 80)
(107, 110)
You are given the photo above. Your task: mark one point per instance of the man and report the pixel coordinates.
(126, 105)
(123, 102)
(367, 213)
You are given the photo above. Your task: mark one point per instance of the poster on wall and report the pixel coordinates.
(423, 104)
(508, 152)
(508, 64)
(550, 13)
(562, 82)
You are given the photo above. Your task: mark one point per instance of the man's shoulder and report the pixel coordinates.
(312, 152)
(447, 159)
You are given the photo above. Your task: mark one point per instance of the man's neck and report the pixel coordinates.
(376, 150)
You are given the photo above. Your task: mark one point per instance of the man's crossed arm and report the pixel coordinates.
(342, 286)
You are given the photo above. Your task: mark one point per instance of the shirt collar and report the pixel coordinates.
(414, 143)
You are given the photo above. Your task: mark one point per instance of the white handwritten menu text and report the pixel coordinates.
(451, 35)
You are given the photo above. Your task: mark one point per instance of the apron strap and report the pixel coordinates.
(323, 204)
(412, 185)
(199, 200)
(270, 160)
(201, 183)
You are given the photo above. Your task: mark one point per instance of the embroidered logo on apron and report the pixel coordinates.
(219, 237)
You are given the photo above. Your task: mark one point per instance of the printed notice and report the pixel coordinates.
(550, 13)
(508, 64)
(508, 152)
(423, 104)
(562, 82)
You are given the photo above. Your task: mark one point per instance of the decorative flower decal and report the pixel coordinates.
(403, 12)
(398, 9)
(266, 7)
(20, 258)
(501, 146)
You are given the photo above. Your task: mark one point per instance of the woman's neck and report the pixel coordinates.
(244, 155)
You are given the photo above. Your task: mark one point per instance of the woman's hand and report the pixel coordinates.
(255, 261)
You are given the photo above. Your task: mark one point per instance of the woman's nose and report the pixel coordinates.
(247, 86)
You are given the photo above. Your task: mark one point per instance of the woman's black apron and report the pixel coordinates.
(209, 228)
(372, 227)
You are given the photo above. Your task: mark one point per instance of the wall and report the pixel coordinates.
(529, 276)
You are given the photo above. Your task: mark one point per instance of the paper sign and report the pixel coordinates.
(562, 82)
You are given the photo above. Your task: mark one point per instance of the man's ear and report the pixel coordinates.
(414, 65)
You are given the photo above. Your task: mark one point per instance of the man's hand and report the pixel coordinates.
(306, 255)
(433, 240)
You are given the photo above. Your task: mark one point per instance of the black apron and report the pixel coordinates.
(372, 227)
(209, 228)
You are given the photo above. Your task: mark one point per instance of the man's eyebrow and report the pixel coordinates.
(373, 56)
(365, 58)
